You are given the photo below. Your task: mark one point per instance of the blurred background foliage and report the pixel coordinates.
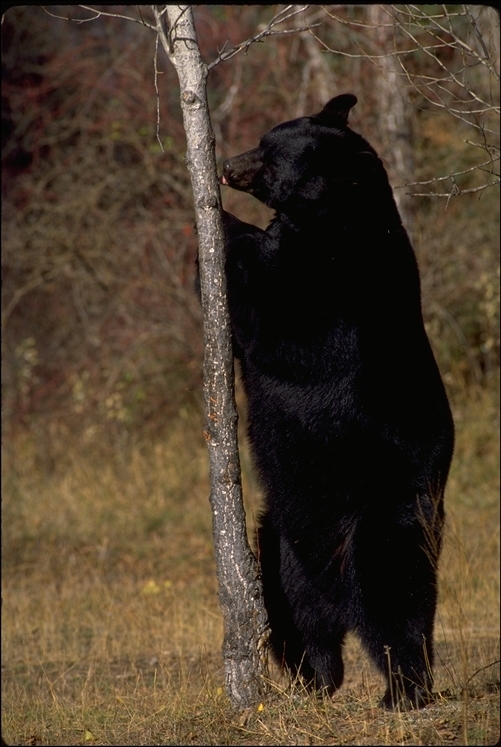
(111, 630)
(102, 336)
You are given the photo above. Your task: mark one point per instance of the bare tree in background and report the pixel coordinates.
(317, 69)
(443, 58)
(393, 114)
(395, 124)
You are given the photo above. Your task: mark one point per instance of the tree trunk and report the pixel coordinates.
(317, 68)
(394, 121)
(240, 590)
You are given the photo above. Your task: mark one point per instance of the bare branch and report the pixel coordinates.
(155, 63)
(98, 14)
(160, 29)
(456, 173)
(141, 22)
(449, 83)
(67, 18)
(455, 192)
(481, 41)
(450, 74)
(269, 30)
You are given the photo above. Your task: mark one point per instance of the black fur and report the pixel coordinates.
(349, 422)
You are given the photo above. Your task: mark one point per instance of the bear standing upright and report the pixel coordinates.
(348, 420)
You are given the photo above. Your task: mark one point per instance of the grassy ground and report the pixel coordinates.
(111, 631)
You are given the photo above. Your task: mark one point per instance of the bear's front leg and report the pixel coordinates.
(234, 229)
(246, 278)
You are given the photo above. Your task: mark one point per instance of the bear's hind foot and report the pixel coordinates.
(414, 698)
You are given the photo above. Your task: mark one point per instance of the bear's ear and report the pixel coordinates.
(335, 112)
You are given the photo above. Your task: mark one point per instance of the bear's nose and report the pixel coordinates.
(226, 175)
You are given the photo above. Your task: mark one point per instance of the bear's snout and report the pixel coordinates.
(234, 170)
(226, 175)
(240, 171)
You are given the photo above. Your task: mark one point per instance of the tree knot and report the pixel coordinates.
(189, 97)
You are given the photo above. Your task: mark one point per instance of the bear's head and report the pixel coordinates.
(304, 163)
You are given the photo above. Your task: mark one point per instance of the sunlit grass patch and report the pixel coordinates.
(111, 626)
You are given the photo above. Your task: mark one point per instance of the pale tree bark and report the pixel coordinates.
(240, 590)
(395, 130)
(318, 70)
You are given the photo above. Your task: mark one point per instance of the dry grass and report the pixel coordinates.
(111, 627)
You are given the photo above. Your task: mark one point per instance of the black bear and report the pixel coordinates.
(348, 419)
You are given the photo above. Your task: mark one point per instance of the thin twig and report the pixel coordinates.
(159, 28)
(98, 14)
(455, 192)
(280, 17)
(456, 173)
(155, 61)
(481, 670)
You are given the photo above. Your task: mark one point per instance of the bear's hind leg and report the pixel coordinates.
(323, 669)
(304, 636)
(397, 570)
(285, 639)
(316, 619)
